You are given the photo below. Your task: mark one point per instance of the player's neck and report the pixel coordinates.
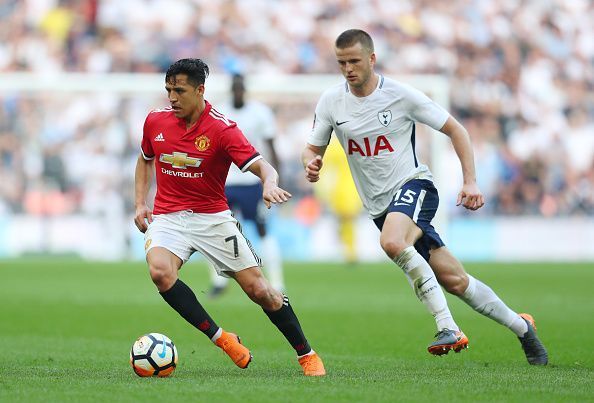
(367, 88)
(193, 118)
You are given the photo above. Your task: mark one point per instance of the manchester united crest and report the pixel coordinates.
(202, 143)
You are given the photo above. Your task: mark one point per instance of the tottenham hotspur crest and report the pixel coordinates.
(385, 117)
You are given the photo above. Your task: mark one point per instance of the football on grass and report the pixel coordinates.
(153, 354)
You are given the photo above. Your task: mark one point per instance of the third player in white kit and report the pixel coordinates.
(374, 119)
(243, 189)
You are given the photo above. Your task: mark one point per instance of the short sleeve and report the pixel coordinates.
(424, 110)
(322, 125)
(146, 147)
(238, 148)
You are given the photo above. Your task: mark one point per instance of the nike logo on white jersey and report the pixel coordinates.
(160, 137)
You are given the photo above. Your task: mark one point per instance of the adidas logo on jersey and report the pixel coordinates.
(160, 137)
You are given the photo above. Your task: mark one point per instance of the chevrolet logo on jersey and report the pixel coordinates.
(180, 160)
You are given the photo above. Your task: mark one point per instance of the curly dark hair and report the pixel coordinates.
(195, 69)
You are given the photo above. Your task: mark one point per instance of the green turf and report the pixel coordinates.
(66, 328)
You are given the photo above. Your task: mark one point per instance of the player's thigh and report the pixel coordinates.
(410, 213)
(400, 228)
(166, 241)
(159, 258)
(448, 270)
(219, 238)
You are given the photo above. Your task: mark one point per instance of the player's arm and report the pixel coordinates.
(470, 195)
(274, 160)
(271, 193)
(272, 154)
(142, 183)
(311, 158)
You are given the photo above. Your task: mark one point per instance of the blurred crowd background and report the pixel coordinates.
(521, 77)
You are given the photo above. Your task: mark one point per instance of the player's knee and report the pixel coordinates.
(265, 296)
(162, 276)
(455, 283)
(260, 294)
(393, 247)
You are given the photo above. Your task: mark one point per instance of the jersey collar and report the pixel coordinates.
(380, 84)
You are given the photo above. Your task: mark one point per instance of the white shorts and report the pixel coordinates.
(217, 236)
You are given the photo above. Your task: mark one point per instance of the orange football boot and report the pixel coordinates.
(231, 345)
(312, 365)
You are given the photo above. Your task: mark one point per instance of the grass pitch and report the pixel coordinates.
(66, 328)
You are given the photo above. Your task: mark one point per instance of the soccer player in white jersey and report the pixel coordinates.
(374, 119)
(244, 190)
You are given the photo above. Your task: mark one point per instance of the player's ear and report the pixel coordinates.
(372, 59)
(200, 89)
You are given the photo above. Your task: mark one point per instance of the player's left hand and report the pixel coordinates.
(273, 194)
(470, 197)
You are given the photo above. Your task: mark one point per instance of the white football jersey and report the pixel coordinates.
(377, 133)
(257, 123)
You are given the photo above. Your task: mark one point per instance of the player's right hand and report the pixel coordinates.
(143, 215)
(312, 169)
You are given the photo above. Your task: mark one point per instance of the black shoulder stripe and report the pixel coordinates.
(250, 159)
(146, 157)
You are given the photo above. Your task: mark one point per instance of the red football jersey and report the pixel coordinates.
(192, 164)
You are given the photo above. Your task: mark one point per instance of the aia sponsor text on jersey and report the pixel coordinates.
(366, 149)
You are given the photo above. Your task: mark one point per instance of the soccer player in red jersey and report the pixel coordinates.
(191, 146)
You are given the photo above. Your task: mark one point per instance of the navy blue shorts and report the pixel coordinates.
(247, 200)
(419, 200)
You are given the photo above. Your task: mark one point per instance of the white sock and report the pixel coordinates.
(311, 352)
(215, 279)
(423, 281)
(273, 262)
(217, 335)
(483, 300)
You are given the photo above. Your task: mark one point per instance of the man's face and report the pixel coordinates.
(183, 96)
(238, 91)
(356, 64)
